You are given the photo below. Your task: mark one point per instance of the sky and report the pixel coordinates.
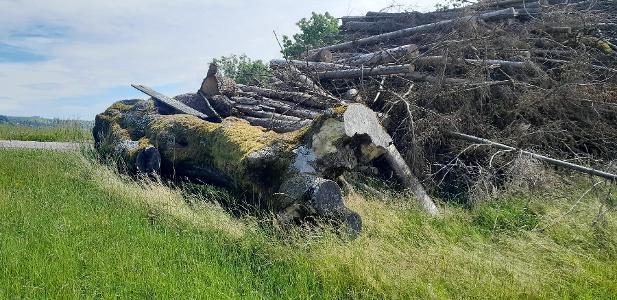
(71, 59)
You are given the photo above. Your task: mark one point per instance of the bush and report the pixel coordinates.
(318, 31)
(243, 69)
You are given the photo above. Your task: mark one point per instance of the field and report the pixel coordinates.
(59, 133)
(72, 228)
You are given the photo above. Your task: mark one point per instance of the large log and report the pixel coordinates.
(120, 144)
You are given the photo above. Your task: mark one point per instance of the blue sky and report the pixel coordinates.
(72, 59)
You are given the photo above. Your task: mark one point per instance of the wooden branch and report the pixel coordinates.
(393, 55)
(547, 159)
(366, 72)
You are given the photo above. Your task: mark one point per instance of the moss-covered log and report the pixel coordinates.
(232, 153)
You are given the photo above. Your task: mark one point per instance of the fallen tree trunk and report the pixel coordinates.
(233, 154)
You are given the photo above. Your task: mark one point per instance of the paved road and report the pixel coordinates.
(39, 145)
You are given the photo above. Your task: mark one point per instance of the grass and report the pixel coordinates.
(70, 228)
(62, 133)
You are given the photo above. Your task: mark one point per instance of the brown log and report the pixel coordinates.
(366, 72)
(393, 55)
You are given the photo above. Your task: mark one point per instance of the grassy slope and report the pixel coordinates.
(64, 133)
(71, 228)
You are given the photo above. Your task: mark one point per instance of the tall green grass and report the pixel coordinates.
(61, 133)
(71, 228)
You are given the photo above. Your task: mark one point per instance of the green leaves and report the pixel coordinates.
(317, 31)
(243, 69)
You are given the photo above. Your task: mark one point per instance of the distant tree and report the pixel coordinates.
(243, 69)
(450, 4)
(317, 31)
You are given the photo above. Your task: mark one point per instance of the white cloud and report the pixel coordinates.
(105, 44)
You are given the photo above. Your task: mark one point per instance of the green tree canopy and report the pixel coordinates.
(243, 69)
(317, 31)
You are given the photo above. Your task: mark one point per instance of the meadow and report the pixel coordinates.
(71, 227)
(57, 133)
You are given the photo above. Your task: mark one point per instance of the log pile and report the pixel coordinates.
(534, 74)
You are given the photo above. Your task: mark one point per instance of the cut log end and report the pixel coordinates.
(148, 160)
